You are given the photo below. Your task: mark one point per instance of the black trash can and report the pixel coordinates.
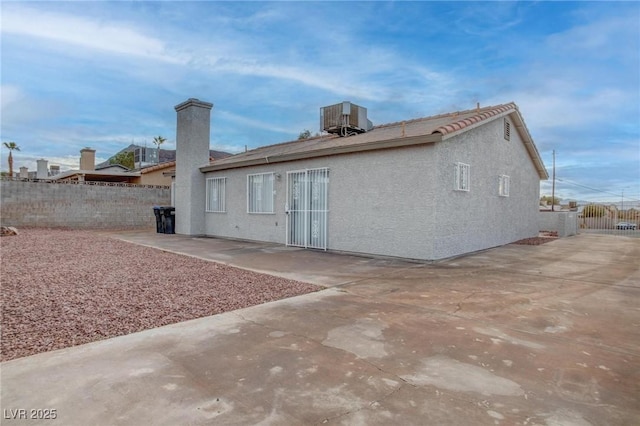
(158, 212)
(169, 215)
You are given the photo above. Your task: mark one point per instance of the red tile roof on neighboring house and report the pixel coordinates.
(158, 167)
(170, 164)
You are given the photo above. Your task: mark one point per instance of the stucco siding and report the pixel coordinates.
(383, 203)
(155, 177)
(380, 202)
(236, 222)
(480, 218)
(402, 202)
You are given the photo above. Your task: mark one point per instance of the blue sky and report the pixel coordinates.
(105, 74)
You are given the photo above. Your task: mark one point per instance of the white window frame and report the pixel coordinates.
(504, 182)
(216, 195)
(261, 193)
(463, 180)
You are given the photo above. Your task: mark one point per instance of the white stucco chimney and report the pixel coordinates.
(192, 151)
(43, 170)
(87, 159)
(24, 173)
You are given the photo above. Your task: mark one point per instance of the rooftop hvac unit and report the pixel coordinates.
(142, 155)
(344, 119)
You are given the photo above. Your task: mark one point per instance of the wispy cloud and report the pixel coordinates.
(256, 124)
(87, 33)
(479, 20)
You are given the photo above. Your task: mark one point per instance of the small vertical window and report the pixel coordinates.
(462, 177)
(215, 202)
(260, 193)
(503, 186)
(507, 130)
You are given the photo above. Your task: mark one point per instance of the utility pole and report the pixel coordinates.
(553, 183)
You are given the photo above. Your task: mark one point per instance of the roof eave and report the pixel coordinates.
(529, 144)
(323, 152)
(476, 124)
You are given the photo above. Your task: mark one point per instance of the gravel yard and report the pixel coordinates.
(65, 288)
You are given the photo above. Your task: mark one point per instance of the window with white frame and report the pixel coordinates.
(503, 186)
(462, 177)
(260, 193)
(215, 202)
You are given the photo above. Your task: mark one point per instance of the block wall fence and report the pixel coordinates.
(37, 204)
(564, 223)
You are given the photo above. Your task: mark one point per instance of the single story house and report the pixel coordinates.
(428, 188)
(89, 172)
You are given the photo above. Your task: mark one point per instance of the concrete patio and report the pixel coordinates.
(526, 335)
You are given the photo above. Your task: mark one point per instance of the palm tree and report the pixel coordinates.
(159, 140)
(11, 146)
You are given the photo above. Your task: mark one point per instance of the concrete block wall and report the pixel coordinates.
(49, 205)
(564, 223)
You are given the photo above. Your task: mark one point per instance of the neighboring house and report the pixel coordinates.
(159, 174)
(428, 188)
(164, 173)
(88, 171)
(160, 156)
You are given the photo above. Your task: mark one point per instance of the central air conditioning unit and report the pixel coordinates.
(344, 119)
(145, 156)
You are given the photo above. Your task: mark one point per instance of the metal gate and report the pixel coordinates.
(307, 208)
(600, 218)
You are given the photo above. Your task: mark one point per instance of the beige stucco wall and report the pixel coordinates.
(156, 177)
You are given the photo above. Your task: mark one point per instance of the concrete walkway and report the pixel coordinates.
(528, 335)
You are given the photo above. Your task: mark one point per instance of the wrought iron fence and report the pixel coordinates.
(609, 219)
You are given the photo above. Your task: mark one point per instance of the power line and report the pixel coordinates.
(594, 189)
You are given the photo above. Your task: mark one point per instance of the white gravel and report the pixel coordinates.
(65, 288)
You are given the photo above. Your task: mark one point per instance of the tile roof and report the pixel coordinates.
(403, 133)
(466, 122)
(158, 167)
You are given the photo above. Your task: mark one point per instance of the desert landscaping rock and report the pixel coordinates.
(66, 288)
